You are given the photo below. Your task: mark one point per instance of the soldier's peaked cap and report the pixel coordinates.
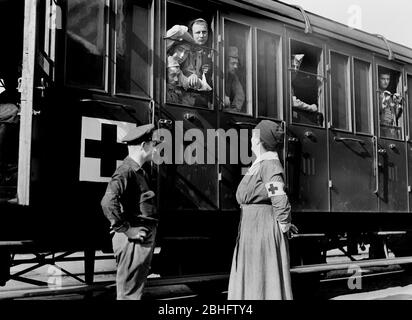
(136, 134)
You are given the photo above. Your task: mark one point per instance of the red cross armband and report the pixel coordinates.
(275, 188)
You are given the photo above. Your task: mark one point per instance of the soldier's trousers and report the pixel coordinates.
(133, 261)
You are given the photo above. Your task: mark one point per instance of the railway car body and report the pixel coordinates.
(91, 69)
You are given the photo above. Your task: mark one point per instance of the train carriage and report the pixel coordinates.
(92, 69)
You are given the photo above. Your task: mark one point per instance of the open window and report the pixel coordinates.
(269, 75)
(189, 56)
(238, 68)
(390, 103)
(307, 83)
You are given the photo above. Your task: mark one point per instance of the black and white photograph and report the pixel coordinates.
(203, 155)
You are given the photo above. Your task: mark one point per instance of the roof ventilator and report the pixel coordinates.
(390, 56)
(308, 27)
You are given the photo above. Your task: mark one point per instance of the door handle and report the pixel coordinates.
(376, 164)
(242, 123)
(361, 142)
(165, 122)
(189, 117)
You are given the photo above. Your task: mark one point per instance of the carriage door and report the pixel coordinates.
(391, 150)
(409, 137)
(307, 167)
(351, 140)
(42, 19)
(188, 180)
(236, 118)
(11, 35)
(251, 88)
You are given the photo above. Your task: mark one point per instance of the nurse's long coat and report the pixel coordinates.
(260, 266)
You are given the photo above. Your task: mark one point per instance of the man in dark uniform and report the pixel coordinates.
(129, 206)
(390, 109)
(234, 93)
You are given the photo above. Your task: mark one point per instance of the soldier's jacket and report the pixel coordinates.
(122, 203)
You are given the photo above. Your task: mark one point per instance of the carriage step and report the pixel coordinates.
(390, 233)
(347, 265)
(308, 235)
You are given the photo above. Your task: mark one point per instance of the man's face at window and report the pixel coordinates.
(180, 53)
(384, 80)
(173, 74)
(233, 65)
(200, 33)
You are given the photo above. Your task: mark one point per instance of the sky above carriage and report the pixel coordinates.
(391, 19)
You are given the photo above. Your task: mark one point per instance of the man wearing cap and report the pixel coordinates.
(297, 103)
(129, 206)
(174, 91)
(177, 89)
(234, 94)
(391, 109)
(178, 43)
(198, 65)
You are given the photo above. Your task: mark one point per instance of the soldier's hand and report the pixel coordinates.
(137, 233)
(205, 68)
(193, 81)
(227, 102)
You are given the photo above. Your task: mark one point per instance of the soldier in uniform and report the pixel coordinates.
(390, 108)
(234, 95)
(129, 206)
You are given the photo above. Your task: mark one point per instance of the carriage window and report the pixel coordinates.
(268, 66)
(132, 47)
(410, 104)
(390, 103)
(340, 91)
(307, 83)
(238, 68)
(189, 57)
(86, 43)
(363, 96)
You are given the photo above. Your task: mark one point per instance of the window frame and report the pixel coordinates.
(106, 56)
(151, 42)
(354, 53)
(349, 94)
(212, 29)
(294, 34)
(279, 75)
(394, 66)
(249, 92)
(407, 90)
(371, 97)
